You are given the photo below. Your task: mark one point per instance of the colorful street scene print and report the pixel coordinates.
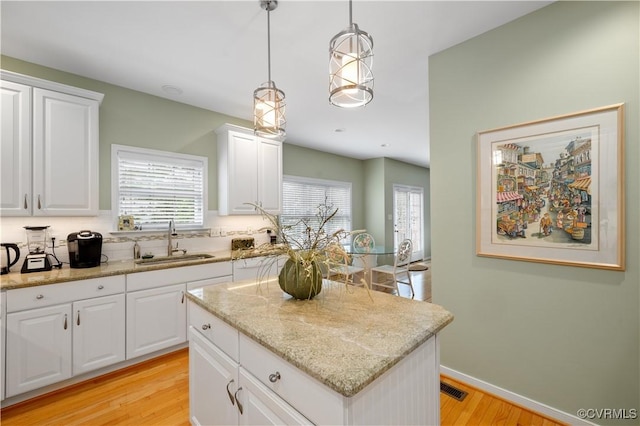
(545, 190)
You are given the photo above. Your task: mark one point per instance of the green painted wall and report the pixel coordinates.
(300, 161)
(375, 223)
(564, 336)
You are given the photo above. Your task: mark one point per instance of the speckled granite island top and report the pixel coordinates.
(343, 338)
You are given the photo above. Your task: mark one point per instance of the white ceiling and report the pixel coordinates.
(216, 52)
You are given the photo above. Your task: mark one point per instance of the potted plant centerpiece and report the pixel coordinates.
(310, 250)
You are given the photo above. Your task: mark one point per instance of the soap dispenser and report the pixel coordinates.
(136, 250)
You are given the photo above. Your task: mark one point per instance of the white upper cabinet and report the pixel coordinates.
(249, 171)
(15, 149)
(50, 147)
(65, 154)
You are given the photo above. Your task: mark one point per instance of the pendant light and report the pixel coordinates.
(268, 101)
(350, 64)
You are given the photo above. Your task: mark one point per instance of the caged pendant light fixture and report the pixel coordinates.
(268, 101)
(350, 67)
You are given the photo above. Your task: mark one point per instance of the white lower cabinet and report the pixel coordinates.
(213, 380)
(57, 331)
(64, 337)
(267, 390)
(221, 390)
(156, 319)
(261, 406)
(3, 328)
(38, 348)
(98, 333)
(157, 305)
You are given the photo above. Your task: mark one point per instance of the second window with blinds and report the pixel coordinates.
(302, 196)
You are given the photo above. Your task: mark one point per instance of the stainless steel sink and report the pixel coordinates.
(173, 259)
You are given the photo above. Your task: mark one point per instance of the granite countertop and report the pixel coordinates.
(16, 279)
(345, 338)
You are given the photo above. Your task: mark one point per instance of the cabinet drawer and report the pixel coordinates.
(318, 403)
(215, 330)
(257, 268)
(178, 275)
(54, 294)
(210, 281)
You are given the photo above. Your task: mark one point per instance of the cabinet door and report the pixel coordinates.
(3, 323)
(270, 175)
(38, 348)
(65, 154)
(243, 173)
(156, 319)
(15, 149)
(261, 406)
(98, 332)
(213, 379)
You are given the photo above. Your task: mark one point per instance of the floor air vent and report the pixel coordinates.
(453, 392)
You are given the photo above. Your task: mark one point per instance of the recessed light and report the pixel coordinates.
(171, 90)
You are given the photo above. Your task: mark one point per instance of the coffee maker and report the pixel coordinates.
(5, 256)
(37, 260)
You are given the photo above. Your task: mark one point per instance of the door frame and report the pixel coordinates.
(418, 250)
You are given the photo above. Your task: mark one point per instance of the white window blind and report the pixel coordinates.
(157, 186)
(301, 197)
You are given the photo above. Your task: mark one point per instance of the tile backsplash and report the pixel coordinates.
(119, 245)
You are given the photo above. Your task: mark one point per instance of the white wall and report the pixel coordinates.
(119, 246)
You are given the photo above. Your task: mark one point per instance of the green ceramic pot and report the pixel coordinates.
(294, 281)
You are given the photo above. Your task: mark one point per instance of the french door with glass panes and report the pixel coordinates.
(408, 218)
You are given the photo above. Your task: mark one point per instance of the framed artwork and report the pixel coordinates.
(552, 190)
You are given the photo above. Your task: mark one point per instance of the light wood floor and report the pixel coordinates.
(479, 408)
(157, 393)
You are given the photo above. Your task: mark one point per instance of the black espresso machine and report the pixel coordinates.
(85, 249)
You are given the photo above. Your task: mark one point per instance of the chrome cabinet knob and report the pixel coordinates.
(274, 377)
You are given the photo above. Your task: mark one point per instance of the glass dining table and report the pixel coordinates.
(369, 257)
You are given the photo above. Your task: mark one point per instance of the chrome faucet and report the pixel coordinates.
(172, 233)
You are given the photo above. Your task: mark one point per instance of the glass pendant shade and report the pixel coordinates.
(269, 111)
(268, 101)
(350, 68)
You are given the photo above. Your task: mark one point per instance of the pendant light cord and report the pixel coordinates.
(350, 14)
(269, 42)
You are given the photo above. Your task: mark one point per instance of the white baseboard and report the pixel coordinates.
(515, 398)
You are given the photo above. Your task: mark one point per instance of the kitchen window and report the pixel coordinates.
(301, 197)
(158, 186)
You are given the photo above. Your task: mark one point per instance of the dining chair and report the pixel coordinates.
(399, 268)
(363, 244)
(338, 267)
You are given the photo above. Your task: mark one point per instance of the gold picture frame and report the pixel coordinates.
(552, 190)
(126, 223)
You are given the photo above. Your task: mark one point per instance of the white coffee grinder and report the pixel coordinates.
(37, 260)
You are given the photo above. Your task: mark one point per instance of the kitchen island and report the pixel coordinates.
(350, 356)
